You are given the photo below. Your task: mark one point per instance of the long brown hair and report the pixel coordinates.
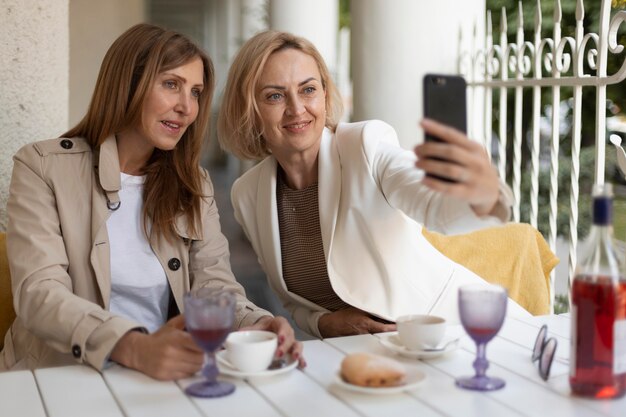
(173, 179)
(238, 124)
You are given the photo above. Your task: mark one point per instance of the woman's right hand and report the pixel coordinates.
(167, 354)
(351, 321)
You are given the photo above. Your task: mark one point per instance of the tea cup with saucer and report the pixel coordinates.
(421, 332)
(251, 350)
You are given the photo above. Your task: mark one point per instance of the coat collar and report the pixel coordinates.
(107, 174)
(109, 165)
(108, 168)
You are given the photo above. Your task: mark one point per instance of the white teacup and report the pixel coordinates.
(420, 331)
(251, 350)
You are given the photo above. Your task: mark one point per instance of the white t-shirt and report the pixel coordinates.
(139, 287)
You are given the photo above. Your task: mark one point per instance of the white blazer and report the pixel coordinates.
(372, 206)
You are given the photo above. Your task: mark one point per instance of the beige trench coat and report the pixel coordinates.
(59, 256)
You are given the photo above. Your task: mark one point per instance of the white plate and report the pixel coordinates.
(413, 379)
(392, 342)
(227, 368)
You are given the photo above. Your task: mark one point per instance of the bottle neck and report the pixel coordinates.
(601, 231)
(600, 260)
(602, 216)
(602, 211)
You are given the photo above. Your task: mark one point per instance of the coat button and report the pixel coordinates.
(174, 264)
(67, 144)
(76, 351)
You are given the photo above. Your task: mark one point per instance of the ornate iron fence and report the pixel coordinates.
(553, 62)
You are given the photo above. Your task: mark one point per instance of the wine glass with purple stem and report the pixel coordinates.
(482, 308)
(209, 318)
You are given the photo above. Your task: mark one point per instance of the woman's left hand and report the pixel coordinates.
(287, 343)
(462, 160)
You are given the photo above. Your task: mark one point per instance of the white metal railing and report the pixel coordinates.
(516, 66)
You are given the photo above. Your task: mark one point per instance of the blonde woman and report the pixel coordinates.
(335, 211)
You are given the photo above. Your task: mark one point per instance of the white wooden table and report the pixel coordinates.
(78, 391)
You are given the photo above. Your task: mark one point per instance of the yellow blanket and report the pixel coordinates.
(514, 255)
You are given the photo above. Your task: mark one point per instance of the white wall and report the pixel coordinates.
(94, 25)
(394, 43)
(34, 78)
(317, 21)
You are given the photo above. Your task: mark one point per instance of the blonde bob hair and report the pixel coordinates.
(174, 180)
(239, 121)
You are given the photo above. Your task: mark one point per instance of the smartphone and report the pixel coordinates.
(444, 102)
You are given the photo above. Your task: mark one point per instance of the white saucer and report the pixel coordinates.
(392, 342)
(227, 368)
(413, 379)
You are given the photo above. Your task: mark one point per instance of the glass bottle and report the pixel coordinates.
(598, 338)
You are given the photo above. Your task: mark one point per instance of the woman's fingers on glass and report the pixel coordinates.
(178, 322)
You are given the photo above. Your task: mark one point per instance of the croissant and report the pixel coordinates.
(369, 370)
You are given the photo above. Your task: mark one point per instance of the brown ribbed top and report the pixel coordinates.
(304, 265)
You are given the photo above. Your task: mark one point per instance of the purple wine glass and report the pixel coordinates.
(209, 318)
(482, 308)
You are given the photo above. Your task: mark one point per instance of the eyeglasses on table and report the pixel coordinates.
(544, 351)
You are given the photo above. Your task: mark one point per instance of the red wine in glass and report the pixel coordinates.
(209, 317)
(482, 334)
(209, 339)
(482, 308)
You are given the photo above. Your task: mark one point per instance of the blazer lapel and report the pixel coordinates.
(329, 188)
(267, 210)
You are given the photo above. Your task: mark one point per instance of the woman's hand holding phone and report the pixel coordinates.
(461, 160)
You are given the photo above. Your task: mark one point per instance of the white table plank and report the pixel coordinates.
(438, 391)
(323, 365)
(141, 396)
(19, 395)
(524, 392)
(515, 358)
(524, 334)
(558, 324)
(528, 398)
(297, 394)
(244, 402)
(607, 407)
(75, 391)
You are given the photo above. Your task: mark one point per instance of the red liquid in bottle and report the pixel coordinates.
(209, 339)
(597, 304)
